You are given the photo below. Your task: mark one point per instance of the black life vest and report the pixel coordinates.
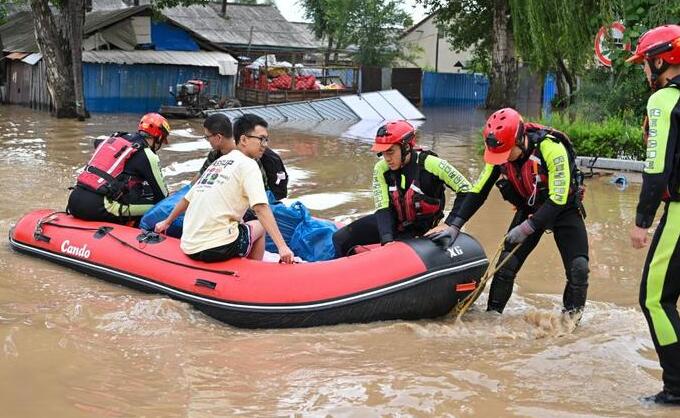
(103, 174)
(530, 179)
(413, 207)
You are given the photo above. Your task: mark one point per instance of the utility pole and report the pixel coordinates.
(224, 8)
(436, 54)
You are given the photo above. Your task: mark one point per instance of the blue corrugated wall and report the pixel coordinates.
(144, 87)
(549, 92)
(448, 89)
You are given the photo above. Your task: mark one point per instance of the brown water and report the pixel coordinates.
(72, 345)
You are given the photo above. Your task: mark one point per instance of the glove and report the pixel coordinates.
(450, 232)
(518, 234)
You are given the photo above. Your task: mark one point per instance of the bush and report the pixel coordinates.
(603, 94)
(615, 137)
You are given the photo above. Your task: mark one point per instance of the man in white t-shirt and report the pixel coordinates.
(215, 205)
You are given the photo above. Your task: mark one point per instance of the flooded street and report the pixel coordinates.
(72, 345)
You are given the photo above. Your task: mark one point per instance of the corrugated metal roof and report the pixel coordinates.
(17, 34)
(101, 19)
(270, 28)
(33, 58)
(225, 62)
(373, 106)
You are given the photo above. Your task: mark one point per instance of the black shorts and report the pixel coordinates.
(240, 247)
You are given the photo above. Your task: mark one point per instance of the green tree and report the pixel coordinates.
(331, 21)
(622, 91)
(485, 26)
(378, 26)
(557, 36)
(372, 25)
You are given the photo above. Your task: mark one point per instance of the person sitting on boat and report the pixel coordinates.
(123, 178)
(408, 190)
(538, 175)
(273, 170)
(213, 225)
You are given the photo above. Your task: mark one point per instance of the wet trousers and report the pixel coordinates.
(572, 242)
(363, 231)
(90, 206)
(659, 292)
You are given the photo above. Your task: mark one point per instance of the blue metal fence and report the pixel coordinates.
(448, 89)
(144, 87)
(549, 92)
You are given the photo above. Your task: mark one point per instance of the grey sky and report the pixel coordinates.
(292, 11)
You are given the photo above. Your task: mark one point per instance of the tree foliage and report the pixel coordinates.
(557, 36)
(378, 26)
(485, 26)
(372, 25)
(622, 91)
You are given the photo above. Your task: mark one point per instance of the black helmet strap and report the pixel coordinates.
(656, 72)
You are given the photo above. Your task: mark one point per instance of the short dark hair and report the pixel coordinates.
(244, 125)
(218, 123)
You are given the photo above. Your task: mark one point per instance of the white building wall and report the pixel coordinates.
(425, 37)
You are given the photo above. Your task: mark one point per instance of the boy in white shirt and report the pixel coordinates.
(215, 205)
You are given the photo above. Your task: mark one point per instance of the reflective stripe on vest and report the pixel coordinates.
(413, 205)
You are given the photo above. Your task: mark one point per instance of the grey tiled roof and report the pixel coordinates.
(270, 28)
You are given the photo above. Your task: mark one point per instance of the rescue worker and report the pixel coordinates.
(408, 190)
(123, 178)
(273, 171)
(659, 51)
(534, 168)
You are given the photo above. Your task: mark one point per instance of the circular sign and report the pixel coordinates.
(602, 51)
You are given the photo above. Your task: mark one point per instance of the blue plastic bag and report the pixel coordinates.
(287, 218)
(162, 210)
(313, 239)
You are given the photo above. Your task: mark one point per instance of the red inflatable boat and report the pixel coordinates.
(412, 279)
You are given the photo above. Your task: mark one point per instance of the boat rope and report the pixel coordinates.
(465, 304)
(106, 231)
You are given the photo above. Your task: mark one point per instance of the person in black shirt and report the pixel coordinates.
(218, 132)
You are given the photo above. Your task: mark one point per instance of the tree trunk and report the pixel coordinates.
(327, 54)
(73, 18)
(560, 101)
(503, 77)
(569, 96)
(56, 52)
(3, 79)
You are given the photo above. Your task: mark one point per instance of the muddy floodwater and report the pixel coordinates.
(72, 345)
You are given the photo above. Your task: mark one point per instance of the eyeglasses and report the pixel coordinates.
(263, 139)
(207, 137)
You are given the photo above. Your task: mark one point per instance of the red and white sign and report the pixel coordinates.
(602, 51)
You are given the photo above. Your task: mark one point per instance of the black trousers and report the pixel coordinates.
(90, 206)
(571, 237)
(659, 292)
(363, 231)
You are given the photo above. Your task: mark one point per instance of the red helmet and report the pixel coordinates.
(397, 132)
(155, 125)
(503, 130)
(661, 42)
